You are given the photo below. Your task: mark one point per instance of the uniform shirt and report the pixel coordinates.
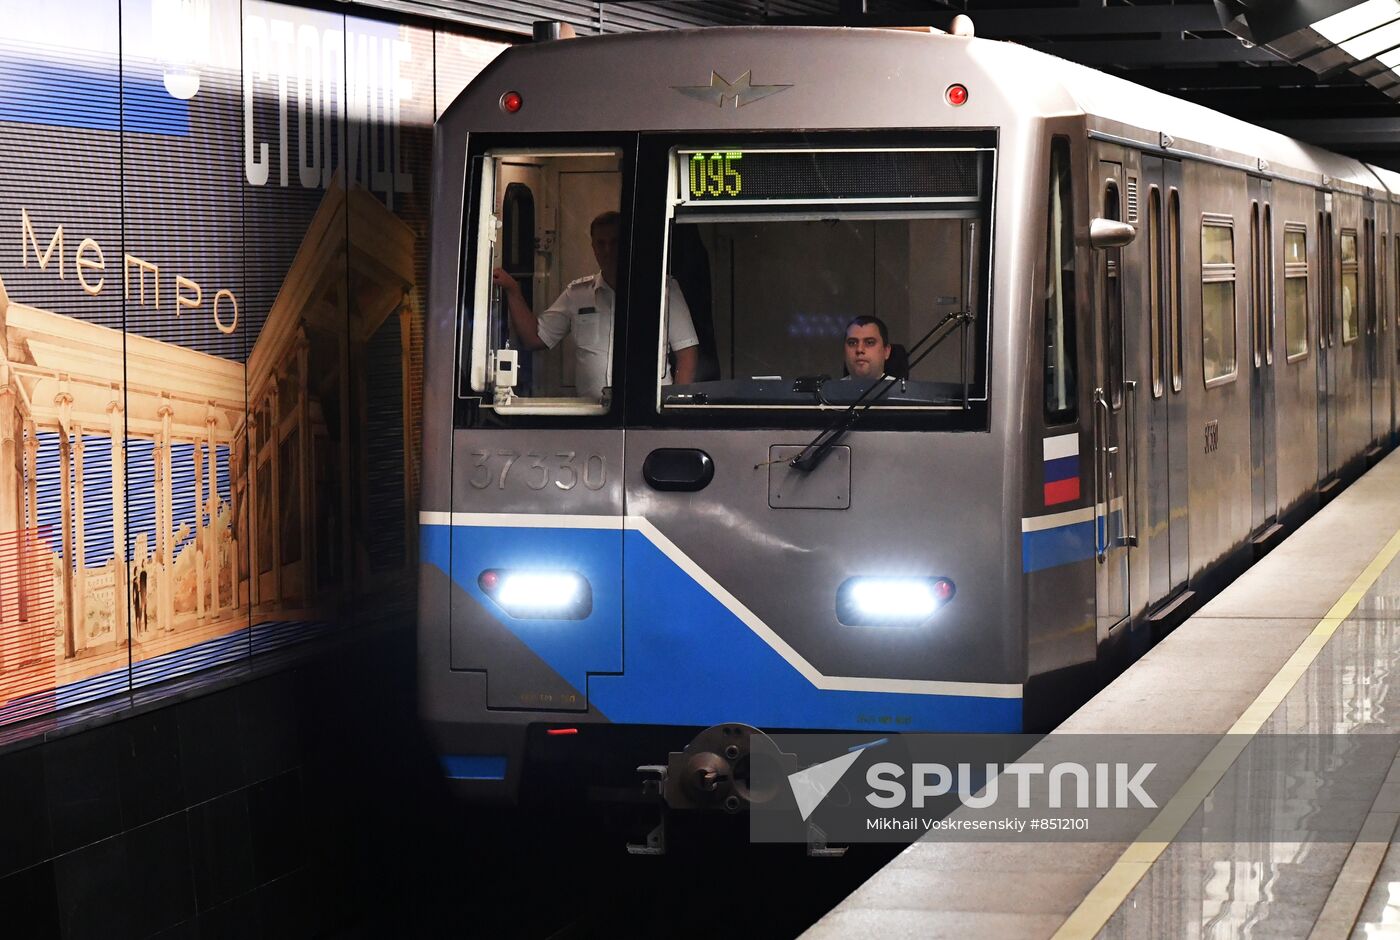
(586, 310)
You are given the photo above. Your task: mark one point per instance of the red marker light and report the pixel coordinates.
(956, 95)
(943, 589)
(488, 580)
(560, 731)
(511, 102)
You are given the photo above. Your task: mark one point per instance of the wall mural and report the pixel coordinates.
(212, 284)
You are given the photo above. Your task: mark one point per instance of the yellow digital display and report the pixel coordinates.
(717, 176)
(714, 175)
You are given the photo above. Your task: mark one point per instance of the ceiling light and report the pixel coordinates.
(1357, 20)
(1377, 40)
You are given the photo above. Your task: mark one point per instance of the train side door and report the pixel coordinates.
(1327, 443)
(1377, 336)
(1163, 464)
(1113, 494)
(1390, 253)
(1263, 469)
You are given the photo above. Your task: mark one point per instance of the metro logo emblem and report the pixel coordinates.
(720, 90)
(1061, 469)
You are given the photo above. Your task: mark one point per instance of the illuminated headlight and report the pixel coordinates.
(539, 595)
(891, 602)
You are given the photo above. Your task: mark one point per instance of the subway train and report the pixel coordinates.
(1141, 341)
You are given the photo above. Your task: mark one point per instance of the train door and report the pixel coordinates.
(1262, 424)
(533, 540)
(1163, 465)
(1378, 336)
(1113, 409)
(1393, 251)
(1328, 446)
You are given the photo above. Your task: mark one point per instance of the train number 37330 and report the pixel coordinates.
(565, 469)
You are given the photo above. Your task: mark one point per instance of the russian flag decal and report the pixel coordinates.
(1061, 469)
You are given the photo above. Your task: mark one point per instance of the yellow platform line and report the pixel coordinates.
(1112, 890)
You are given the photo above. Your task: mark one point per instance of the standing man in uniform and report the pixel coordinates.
(586, 309)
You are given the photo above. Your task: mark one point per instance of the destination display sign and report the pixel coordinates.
(718, 176)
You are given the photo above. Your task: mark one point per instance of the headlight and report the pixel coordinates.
(891, 602)
(539, 595)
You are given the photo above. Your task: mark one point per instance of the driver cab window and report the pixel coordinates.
(809, 275)
(541, 311)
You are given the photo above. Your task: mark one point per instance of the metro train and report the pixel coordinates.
(1144, 341)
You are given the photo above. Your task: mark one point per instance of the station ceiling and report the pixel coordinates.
(1263, 61)
(1258, 60)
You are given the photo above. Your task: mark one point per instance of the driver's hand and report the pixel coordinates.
(500, 278)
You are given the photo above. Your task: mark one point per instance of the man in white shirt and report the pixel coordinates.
(585, 308)
(867, 348)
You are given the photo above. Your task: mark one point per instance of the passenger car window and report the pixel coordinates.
(1154, 292)
(1174, 284)
(1061, 372)
(1295, 290)
(1217, 299)
(1351, 287)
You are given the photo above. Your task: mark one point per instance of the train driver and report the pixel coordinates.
(586, 309)
(867, 348)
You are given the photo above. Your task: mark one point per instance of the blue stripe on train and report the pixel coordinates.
(1062, 545)
(689, 660)
(1062, 468)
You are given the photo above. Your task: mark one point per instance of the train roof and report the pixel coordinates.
(844, 77)
(1108, 97)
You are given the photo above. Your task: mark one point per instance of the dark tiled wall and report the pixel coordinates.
(287, 805)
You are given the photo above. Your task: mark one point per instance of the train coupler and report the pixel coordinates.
(714, 773)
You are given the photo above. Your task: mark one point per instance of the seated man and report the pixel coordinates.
(586, 309)
(867, 348)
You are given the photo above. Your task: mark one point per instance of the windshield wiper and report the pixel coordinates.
(821, 445)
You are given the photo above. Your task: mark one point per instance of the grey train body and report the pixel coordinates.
(1072, 529)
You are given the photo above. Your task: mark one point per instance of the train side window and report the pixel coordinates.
(1351, 286)
(1061, 366)
(1174, 284)
(1256, 286)
(1113, 300)
(1154, 292)
(1218, 299)
(541, 322)
(1270, 297)
(1368, 297)
(1295, 290)
(1397, 281)
(1376, 282)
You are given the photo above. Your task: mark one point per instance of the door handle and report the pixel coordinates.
(1101, 456)
(1129, 538)
(678, 469)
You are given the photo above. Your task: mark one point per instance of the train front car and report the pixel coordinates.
(648, 252)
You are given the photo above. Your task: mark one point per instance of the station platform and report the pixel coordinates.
(1306, 642)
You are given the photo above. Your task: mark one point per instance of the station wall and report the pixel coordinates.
(213, 265)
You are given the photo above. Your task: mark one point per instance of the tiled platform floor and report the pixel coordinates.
(1202, 679)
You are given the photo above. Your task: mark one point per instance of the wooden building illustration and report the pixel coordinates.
(146, 503)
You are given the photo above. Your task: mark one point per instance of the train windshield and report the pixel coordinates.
(800, 277)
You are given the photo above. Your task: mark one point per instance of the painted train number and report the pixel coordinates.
(565, 469)
(1212, 436)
